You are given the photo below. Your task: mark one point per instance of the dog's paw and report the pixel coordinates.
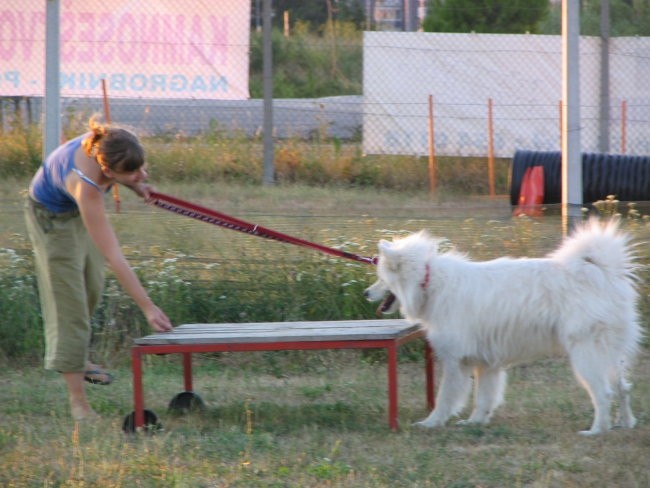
(626, 423)
(472, 421)
(592, 432)
(467, 422)
(425, 424)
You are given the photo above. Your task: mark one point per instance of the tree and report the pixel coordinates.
(626, 18)
(485, 16)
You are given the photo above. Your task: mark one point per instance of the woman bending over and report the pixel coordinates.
(73, 238)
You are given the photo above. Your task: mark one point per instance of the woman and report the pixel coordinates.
(72, 238)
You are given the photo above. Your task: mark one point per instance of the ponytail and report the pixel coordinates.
(113, 147)
(98, 131)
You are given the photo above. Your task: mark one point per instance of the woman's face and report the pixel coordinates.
(130, 178)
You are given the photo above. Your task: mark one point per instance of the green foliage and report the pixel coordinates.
(20, 150)
(626, 18)
(316, 14)
(21, 333)
(485, 16)
(310, 66)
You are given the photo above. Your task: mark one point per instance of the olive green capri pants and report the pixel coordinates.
(70, 272)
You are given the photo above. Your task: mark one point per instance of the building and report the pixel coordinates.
(395, 15)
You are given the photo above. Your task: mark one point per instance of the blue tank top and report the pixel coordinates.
(48, 185)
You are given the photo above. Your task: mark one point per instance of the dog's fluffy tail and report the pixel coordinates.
(603, 244)
(602, 255)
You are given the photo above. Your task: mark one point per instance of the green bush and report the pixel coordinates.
(310, 66)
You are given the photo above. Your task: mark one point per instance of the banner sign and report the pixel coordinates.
(157, 49)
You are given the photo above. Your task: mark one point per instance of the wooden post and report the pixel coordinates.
(623, 126)
(107, 108)
(286, 23)
(491, 150)
(107, 116)
(432, 149)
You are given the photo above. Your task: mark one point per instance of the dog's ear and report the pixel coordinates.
(386, 248)
(390, 254)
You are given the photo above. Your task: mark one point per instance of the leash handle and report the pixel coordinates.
(210, 216)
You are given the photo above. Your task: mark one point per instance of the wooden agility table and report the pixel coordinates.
(281, 336)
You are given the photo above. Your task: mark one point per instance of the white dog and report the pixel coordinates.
(481, 317)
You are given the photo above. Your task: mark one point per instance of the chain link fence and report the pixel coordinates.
(184, 68)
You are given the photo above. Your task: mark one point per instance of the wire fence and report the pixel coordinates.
(185, 68)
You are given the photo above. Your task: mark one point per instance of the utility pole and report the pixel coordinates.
(52, 132)
(571, 151)
(603, 124)
(267, 75)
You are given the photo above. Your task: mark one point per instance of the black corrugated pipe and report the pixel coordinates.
(627, 177)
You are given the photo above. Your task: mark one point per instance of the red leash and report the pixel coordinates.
(210, 216)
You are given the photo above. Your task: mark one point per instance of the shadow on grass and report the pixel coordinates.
(284, 419)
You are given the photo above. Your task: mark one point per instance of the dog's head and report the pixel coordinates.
(379, 291)
(402, 267)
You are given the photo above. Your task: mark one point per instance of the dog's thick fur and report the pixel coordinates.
(481, 317)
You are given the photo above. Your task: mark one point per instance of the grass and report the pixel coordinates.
(294, 419)
(324, 426)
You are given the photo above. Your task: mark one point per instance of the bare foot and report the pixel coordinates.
(83, 413)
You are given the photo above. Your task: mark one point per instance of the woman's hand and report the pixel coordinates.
(142, 189)
(158, 320)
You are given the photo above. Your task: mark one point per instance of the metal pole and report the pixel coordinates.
(571, 152)
(267, 68)
(603, 134)
(52, 132)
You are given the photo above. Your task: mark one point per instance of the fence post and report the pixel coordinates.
(559, 104)
(432, 149)
(623, 126)
(491, 150)
(268, 177)
(52, 133)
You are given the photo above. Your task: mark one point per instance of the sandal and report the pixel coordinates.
(98, 377)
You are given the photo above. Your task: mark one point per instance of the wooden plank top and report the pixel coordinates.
(266, 332)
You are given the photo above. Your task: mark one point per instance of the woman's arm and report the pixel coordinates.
(93, 214)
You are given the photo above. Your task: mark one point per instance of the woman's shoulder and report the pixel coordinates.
(67, 148)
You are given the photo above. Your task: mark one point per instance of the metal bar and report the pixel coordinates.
(264, 346)
(430, 375)
(138, 397)
(392, 387)
(268, 177)
(187, 371)
(416, 334)
(52, 132)
(571, 151)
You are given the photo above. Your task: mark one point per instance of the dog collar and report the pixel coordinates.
(427, 275)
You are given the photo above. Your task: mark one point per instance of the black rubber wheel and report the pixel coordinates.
(186, 402)
(151, 423)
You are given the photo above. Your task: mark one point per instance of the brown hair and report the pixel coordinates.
(114, 148)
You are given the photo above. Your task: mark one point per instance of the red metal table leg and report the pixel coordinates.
(429, 367)
(187, 370)
(138, 397)
(392, 386)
